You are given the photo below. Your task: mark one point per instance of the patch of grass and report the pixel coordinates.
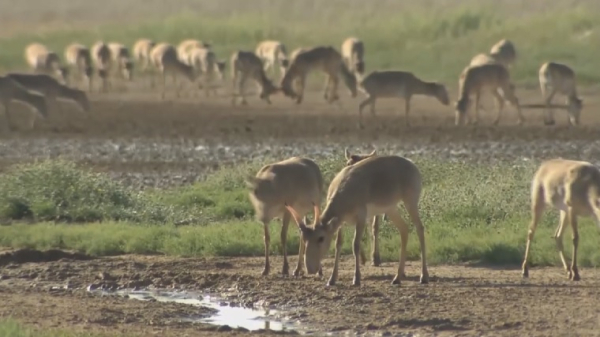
(11, 328)
(480, 219)
(433, 39)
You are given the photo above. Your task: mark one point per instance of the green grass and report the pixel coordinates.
(433, 39)
(480, 219)
(11, 328)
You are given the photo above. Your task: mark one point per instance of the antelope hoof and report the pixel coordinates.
(525, 273)
(424, 279)
(286, 270)
(265, 271)
(331, 282)
(297, 272)
(549, 123)
(396, 280)
(356, 282)
(376, 260)
(574, 275)
(320, 272)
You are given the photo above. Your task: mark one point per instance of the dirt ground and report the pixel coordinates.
(459, 300)
(144, 141)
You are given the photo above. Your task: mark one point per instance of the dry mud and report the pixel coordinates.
(144, 141)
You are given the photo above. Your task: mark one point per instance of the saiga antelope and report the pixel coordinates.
(297, 181)
(122, 58)
(504, 52)
(476, 79)
(573, 187)
(42, 60)
(353, 51)
(401, 84)
(325, 59)
(246, 65)
(273, 53)
(358, 192)
(78, 56)
(164, 58)
(141, 52)
(560, 78)
(101, 56)
(10, 90)
(205, 63)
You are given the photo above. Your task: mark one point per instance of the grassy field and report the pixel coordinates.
(434, 39)
(483, 219)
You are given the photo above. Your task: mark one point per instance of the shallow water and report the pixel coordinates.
(224, 314)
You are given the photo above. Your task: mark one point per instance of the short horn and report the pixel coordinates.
(317, 212)
(294, 214)
(347, 153)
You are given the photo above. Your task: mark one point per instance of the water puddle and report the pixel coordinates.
(225, 314)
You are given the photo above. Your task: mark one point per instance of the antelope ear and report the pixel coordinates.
(347, 154)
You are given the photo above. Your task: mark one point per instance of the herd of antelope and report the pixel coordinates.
(370, 185)
(193, 59)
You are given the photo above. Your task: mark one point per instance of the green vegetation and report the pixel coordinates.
(433, 39)
(480, 219)
(12, 328)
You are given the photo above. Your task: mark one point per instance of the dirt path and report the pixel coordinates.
(459, 300)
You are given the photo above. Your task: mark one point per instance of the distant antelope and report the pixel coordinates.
(295, 181)
(246, 65)
(51, 89)
(490, 77)
(402, 84)
(186, 45)
(164, 58)
(101, 56)
(358, 192)
(560, 78)
(352, 159)
(10, 90)
(141, 52)
(481, 58)
(272, 53)
(78, 56)
(325, 59)
(205, 62)
(573, 187)
(42, 60)
(504, 52)
(353, 51)
(122, 59)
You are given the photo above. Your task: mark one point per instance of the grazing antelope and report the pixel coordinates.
(504, 52)
(272, 53)
(560, 78)
(246, 65)
(141, 52)
(402, 84)
(42, 60)
(186, 45)
(353, 51)
(295, 181)
(358, 192)
(164, 58)
(480, 59)
(205, 62)
(573, 187)
(325, 59)
(102, 58)
(491, 77)
(78, 56)
(51, 88)
(10, 90)
(122, 58)
(352, 159)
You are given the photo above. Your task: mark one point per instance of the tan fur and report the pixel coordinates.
(560, 78)
(353, 51)
(141, 52)
(401, 84)
(121, 57)
(322, 58)
(205, 63)
(43, 60)
(101, 56)
(164, 58)
(572, 187)
(246, 65)
(358, 192)
(10, 90)
(79, 57)
(273, 53)
(504, 52)
(482, 58)
(51, 89)
(296, 182)
(492, 77)
(186, 45)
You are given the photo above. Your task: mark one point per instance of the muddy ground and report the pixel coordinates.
(146, 142)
